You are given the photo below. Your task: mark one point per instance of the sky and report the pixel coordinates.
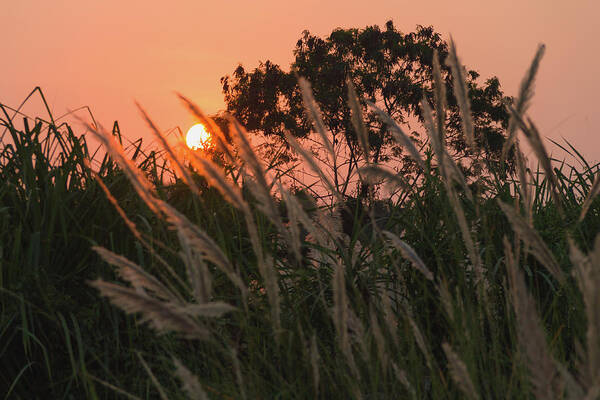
(107, 54)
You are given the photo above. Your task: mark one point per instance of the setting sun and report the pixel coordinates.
(197, 137)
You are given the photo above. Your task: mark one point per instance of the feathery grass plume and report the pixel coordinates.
(573, 388)
(265, 264)
(216, 132)
(455, 175)
(355, 254)
(201, 243)
(314, 363)
(255, 241)
(265, 204)
(316, 255)
(389, 316)
(341, 316)
(448, 168)
(190, 384)
(460, 374)
(213, 309)
(594, 190)
(204, 245)
(399, 135)
(430, 127)
(238, 372)
(421, 344)
(357, 334)
(523, 100)
(593, 393)
(260, 190)
(379, 339)
(446, 298)
(197, 271)
(155, 382)
(357, 119)
(302, 217)
(587, 274)
(114, 202)
(162, 316)
(313, 165)
(133, 228)
(439, 129)
(461, 91)
(314, 112)
(247, 152)
(408, 253)
(142, 186)
(196, 237)
(169, 152)
(466, 235)
(293, 231)
(136, 275)
(216, 178)
(535, 140)
(270, 276)
(451, 173)
(524, 188)
(372, 173)
(543, 373)
(330, 222)
(534, 242)
(401, 376)
(440, 98)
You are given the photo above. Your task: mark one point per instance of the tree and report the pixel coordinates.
(388, 68)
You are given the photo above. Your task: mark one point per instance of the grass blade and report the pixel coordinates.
(523, 100)
(460, 374)
(461, 91)
(534, 242)
(594, 190)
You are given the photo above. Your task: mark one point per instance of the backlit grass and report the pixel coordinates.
(239, 287)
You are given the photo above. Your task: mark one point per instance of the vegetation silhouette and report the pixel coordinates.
(241, 289)
(388, 68)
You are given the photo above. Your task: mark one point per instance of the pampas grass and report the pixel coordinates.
(162, 316)
(401, 137)
(534, 242)
(190, 383)
(594, 191)
(523, 100)
(283, 297)
(460, 91)
(587, 274)
(544, 375)
(358, 120)
(459, 373)
(409, 253)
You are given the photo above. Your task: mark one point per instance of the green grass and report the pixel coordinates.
(329, 301)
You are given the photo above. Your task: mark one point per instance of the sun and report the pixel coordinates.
(197, 137)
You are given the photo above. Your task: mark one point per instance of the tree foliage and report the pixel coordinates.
(387, 67)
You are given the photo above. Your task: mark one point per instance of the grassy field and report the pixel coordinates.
(175, 274)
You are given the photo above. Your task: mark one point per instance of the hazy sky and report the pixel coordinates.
(108, 53)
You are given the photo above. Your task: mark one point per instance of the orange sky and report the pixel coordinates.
(108, 53)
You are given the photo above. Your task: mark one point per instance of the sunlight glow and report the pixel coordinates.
(197, 137)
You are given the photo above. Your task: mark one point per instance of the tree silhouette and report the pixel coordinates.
(389, 68)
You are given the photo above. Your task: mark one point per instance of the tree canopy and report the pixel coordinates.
(392, 69)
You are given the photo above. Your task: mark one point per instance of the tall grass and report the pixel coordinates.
(52, 210)
(456, 294)
(258, 291)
